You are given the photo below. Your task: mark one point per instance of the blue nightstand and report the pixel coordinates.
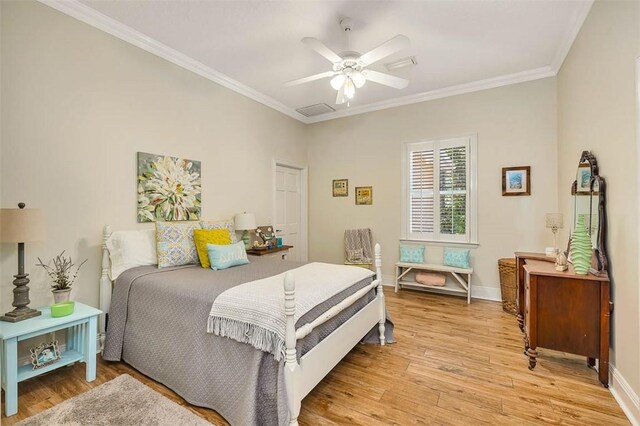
(81, 345)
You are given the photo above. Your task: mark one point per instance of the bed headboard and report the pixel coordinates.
(105, 282)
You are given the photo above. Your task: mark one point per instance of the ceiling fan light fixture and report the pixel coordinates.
(358, 79)
(349, 88)
(337, 81)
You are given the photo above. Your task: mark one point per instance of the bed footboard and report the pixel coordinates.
(301, 378)
(105, 286)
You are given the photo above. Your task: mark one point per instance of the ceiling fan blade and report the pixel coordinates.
(319, 47)
(385, 79)
(310, 78)
(341, 98)
(387, 48)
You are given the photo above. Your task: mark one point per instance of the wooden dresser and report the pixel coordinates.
(566, 312)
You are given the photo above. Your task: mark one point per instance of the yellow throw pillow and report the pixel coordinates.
(202, 237)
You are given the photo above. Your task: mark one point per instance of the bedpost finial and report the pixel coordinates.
(289, 282)
(378, 255)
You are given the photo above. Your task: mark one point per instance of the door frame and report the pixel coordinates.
(304, 211)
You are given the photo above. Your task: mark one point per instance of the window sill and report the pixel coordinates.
(441, 243)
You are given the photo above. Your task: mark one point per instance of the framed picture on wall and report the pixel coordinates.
(340, 187)
(516, 180)
(583, 179)
(364, 195)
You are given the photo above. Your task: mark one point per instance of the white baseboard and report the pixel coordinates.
(477, 292)
(625, 396)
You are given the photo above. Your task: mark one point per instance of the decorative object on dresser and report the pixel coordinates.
(340, 187)
(80, 346)
(553, 221)
(364, 195)
(507, 271)
(561, 262)
(21, 226)
(590, 207)
(516, 180)
(581, 251)
(60, 275)
(245, 222)
(567, 312)
(169, 188)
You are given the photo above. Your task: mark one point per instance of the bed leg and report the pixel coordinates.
(380, 293)
(291, 363)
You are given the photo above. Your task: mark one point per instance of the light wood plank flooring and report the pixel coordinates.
(453, 365)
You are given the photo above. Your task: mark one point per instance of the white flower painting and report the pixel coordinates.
(169, 188)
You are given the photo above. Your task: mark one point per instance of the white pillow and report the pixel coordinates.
(128, 249)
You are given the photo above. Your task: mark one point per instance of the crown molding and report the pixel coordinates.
(92, 17)
(104, 23)
(446, 92)
(570, 35)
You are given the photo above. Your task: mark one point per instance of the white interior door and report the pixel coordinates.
(288, 209)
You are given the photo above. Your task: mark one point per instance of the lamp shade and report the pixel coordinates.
(554, 220)
(245, 221)
(21, 225)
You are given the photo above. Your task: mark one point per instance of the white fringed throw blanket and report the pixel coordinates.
(253, 312)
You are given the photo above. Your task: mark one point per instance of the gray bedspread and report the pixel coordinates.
(158, 321)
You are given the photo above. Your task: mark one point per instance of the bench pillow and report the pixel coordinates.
(226, 256)
(411, 254)
(458, 258)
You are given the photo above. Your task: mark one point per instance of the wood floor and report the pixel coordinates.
(453, 365)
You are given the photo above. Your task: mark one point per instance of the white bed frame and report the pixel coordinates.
(300, 377)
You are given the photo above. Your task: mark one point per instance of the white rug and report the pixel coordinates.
(122, 401)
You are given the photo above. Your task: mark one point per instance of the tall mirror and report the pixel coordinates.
(589, 203)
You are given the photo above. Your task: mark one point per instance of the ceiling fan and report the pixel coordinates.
(350, 68)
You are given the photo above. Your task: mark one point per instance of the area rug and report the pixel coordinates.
(121, 401)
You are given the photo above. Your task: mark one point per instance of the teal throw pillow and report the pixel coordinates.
(226, 256)
(411, 254)
(458, 258)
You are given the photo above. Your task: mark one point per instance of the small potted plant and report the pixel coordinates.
(60, 275)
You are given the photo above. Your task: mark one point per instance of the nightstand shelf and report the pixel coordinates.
(279, 252)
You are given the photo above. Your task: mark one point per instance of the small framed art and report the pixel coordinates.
(340, 187)
(516, 180)
(364, 195)
(44, 354)
(583, 179)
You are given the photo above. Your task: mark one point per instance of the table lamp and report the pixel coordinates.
(21, 226)
(553, 221)
(245, 222)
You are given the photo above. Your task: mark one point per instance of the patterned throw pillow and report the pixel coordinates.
(229, 225)
(411, 254)
(459, 258)
(223, 257)
(202, 237)
(175, 244)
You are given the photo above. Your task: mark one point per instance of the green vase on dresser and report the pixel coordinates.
(581, 249)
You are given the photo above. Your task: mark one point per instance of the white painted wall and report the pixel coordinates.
(597, 112)
(516, 125)
(77, 104)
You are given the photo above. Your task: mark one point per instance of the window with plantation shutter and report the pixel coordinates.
(439, 203)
